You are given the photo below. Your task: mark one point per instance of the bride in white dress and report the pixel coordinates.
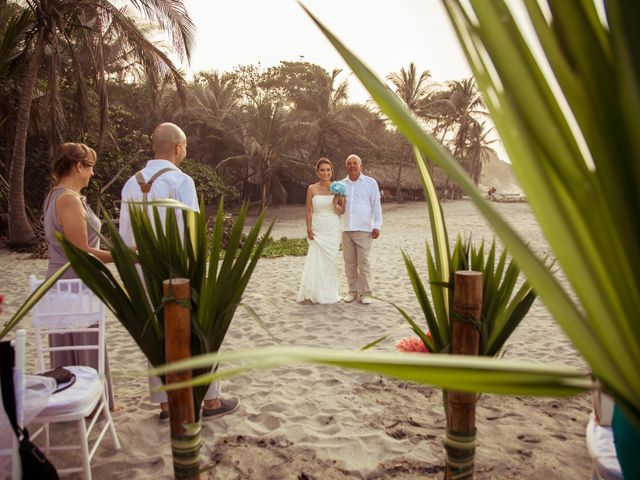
(319, 282)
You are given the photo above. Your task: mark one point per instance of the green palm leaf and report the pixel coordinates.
(439, 334)
(447, 371)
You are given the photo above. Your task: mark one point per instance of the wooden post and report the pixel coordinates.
(185, 433)
(465, 340)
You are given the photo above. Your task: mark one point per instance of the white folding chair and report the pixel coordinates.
(599, 437)
(602, 451)
(18, 379)
(70, 307)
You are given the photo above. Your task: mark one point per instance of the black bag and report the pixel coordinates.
(59, 374)
(63, 377)
(35, 465)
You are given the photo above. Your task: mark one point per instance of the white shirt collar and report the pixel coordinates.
(356, 180)
(161, 163)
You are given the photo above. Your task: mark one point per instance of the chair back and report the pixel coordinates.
(68, 307)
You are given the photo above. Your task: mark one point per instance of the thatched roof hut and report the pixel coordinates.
(387, 177)
(290, 185)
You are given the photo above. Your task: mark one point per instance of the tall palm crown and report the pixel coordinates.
(410, 87)
(325, 113)
(320, 109)
(477, 150)
(265, 137)
(216, 96)
(464, 105)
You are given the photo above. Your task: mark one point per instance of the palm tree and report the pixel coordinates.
(216, 97)
(323, 113)
(80, 27)
(266, 135)
(477, 151)
(411, 88)
(459, 109)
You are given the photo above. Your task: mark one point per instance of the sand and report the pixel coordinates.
(308, 422)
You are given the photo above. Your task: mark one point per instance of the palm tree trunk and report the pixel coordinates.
(399, 198)
(56, 122)
(20, 230)
(102, 87)
(263, 203)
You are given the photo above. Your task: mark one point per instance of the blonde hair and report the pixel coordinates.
(67, 156)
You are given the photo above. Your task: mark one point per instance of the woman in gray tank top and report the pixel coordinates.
(66, 211)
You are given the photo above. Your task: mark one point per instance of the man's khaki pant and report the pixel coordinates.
(355, 250)
(155, 396)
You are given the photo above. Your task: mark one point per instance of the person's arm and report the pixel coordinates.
(377, 210)
(124, 222)
(72, 219)
(339, 204)
(309, 212)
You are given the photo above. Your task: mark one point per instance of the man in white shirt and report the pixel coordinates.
(361, 224)
(159, 179)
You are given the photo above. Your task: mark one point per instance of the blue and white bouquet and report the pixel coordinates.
(338, 188)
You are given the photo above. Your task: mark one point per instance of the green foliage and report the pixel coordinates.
(208, 183)
(459, 372)
(502, 309)
(286, 247)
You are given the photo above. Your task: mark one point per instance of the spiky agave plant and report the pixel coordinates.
(165, 250)
(502, 309)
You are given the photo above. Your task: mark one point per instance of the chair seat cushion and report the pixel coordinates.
(79, 397)
(602, 450)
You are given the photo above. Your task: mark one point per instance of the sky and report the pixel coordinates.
(387, 35)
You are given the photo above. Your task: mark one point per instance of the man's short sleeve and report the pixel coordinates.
(187, 193)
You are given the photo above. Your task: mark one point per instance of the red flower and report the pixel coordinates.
(412, 344)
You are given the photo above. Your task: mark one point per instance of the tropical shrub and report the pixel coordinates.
(217, 279)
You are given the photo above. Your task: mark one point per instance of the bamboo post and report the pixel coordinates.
(185, 433)
(460, 440)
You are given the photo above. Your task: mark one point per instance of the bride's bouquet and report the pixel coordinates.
(338, 188)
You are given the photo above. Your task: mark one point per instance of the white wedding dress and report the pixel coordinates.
(319, 282)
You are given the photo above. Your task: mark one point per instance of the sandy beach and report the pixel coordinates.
(308, 422)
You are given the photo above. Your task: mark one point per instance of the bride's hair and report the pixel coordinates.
(324, 160)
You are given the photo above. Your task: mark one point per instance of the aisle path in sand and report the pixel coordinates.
(330, 423)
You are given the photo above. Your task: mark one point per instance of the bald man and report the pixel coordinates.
(160, 179)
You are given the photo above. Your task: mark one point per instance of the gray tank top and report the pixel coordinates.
(57, 257)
